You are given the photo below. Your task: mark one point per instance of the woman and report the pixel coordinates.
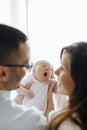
(72, 77)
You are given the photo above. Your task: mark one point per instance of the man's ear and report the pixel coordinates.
(4, 73)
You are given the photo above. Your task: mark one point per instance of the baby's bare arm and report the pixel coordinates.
(50, 103)
(23, 91)
(52, 88)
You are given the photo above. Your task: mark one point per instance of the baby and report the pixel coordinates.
(41, 86)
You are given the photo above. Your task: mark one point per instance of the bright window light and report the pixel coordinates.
(5, 12)
(54, 24)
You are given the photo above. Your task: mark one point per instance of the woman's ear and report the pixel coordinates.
(4, 74)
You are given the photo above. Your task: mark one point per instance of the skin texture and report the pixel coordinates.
(66, 83)
(10, 77)
(42, 70)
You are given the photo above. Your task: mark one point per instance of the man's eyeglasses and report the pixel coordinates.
(28, 67)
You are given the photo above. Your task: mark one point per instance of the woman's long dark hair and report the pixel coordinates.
(78, 98)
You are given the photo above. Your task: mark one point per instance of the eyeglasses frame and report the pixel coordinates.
(28, 67)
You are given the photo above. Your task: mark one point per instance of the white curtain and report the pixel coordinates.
(13, 12)
(5, 12)
(54, 24)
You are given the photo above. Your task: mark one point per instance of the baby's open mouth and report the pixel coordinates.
(45, 74)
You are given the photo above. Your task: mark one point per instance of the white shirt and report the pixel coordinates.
(17, 117)
(40, 90)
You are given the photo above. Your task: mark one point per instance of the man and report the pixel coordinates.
(14, 60)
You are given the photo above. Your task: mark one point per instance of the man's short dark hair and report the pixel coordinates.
(10, 39)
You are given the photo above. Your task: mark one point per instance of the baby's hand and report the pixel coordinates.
(24, 90)
(53, 85)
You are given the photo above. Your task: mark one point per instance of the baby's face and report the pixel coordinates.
(42, 71)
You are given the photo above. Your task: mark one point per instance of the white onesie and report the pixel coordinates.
(40, 90)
